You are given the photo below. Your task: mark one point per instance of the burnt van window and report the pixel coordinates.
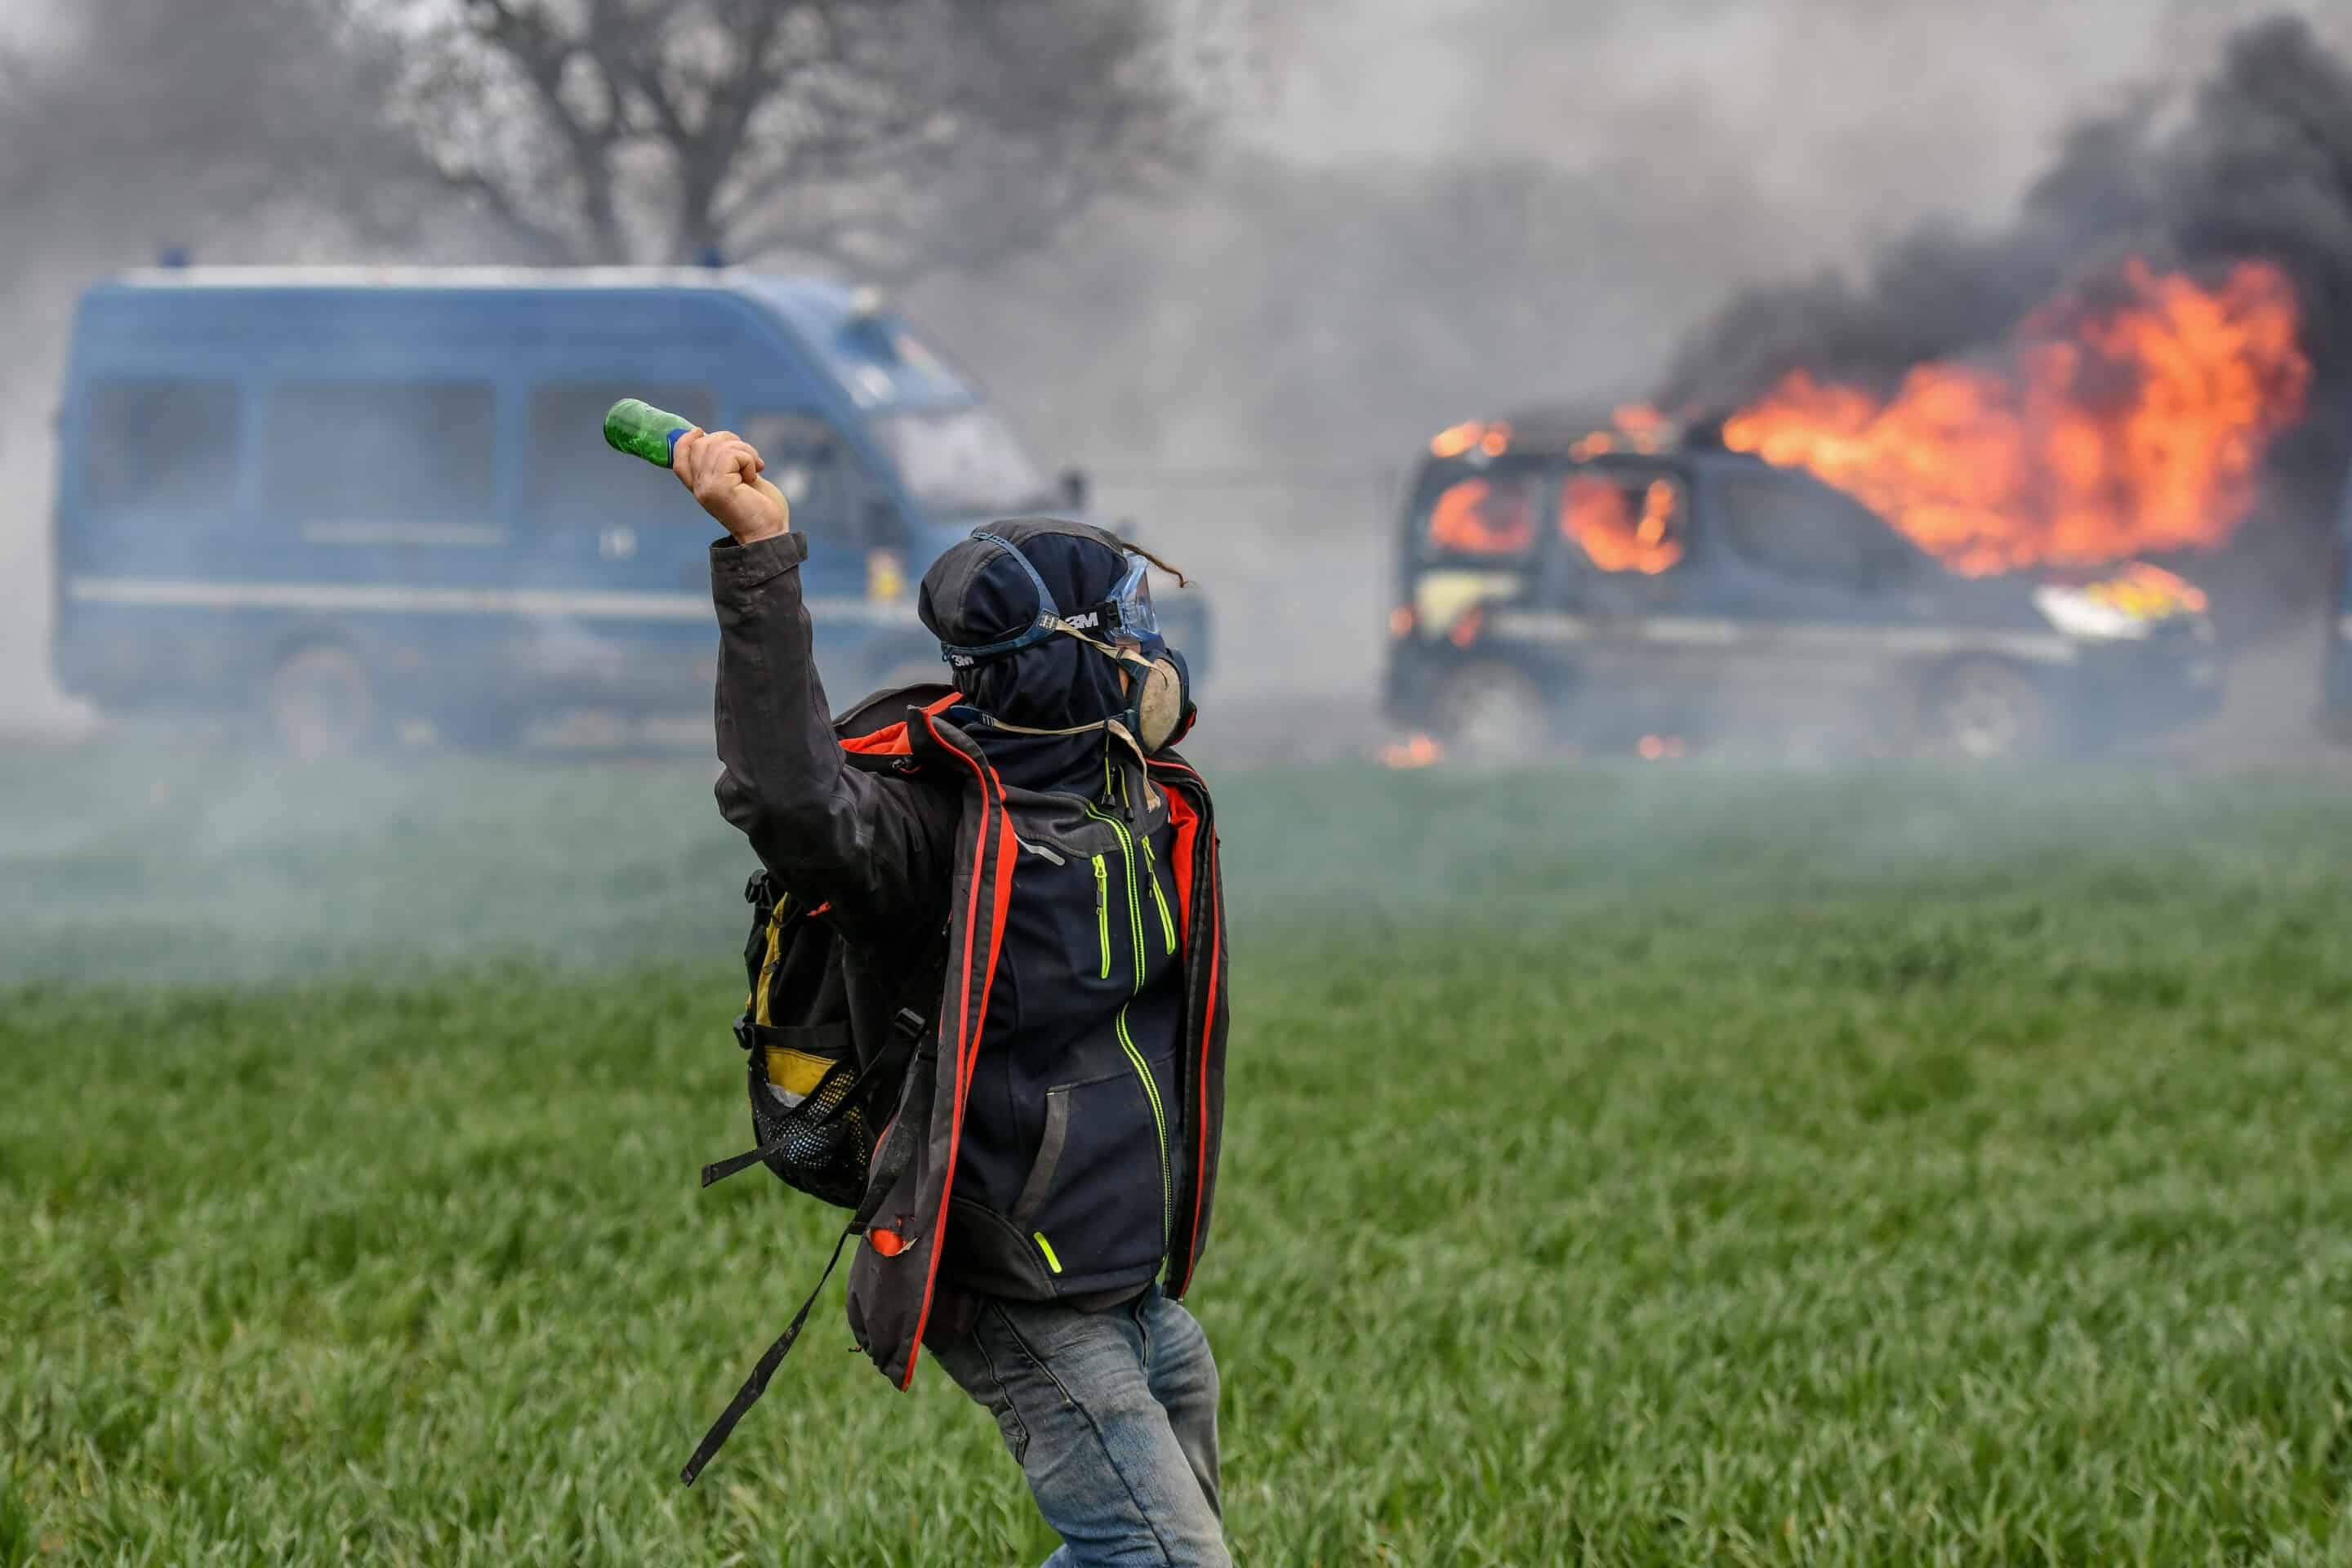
(1800, 529)
(573, 479)
(1495, 515)
(1625, 522)
(168, 444)
(401, 452)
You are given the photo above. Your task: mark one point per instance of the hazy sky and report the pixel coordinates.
(1864, 114)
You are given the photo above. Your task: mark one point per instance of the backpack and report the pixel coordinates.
(816, 1109)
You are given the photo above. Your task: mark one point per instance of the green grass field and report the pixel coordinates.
(1623, 1167)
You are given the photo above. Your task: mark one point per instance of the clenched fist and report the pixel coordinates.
(723, 470)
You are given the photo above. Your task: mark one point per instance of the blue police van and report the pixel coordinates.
(353, 502)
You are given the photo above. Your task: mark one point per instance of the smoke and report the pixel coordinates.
(1447, 208)
(1431, 209)
(2256, 162)
(128, 127)
(1469, 207)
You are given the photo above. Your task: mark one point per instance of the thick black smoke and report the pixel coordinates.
(2260, 165)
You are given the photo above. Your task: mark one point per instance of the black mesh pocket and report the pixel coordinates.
(811, 1111)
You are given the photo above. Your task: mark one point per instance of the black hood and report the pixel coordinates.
(974, 594)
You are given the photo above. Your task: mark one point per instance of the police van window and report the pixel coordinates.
(1625, 521)
(834, 498)
(1491, 515)
(1802, 529)
(961, 462)
(576, 480)
(162, 444)
(391, 452)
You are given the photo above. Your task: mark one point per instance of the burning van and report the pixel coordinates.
(1562, 581)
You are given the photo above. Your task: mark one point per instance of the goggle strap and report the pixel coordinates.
(1119, 651)
(1049, 614)
(1038, 631)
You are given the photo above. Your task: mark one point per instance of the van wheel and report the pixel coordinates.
(321, 702)
(1495, 713)
(1984, 711)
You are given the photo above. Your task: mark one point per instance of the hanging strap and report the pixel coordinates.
(757, 1384)
(909, 1029)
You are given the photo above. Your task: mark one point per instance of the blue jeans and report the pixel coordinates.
(1112, 1417)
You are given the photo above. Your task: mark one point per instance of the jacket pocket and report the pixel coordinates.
(1094, 1208)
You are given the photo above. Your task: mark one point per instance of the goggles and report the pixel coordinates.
(1126, 616)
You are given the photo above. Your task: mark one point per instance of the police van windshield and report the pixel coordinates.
(961, 462)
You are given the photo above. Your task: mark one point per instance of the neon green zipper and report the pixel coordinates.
(1134, 905)
(1159, 1125)
(1152, 869)
(1127, 1041)
(1102, 912)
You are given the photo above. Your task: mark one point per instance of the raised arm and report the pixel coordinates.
(830, 833)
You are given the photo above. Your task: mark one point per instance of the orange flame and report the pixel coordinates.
(1455, 439)
(1491, 436)
(1477, 517)
(1598, 513)
(1416, 752)
(2128, 420)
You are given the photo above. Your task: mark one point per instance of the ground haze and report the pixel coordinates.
(1624, 1165)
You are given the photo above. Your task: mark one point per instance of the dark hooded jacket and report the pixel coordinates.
(1057, 1138)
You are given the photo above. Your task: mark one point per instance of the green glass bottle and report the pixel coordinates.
(643, 431)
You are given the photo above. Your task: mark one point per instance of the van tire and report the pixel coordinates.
(321, 702)
(1495, 713)
(1986, 711)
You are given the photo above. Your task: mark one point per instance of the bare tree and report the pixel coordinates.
(880, 135)
(239, 129)
(141, 121)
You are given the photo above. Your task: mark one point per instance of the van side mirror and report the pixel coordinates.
(1074, 490)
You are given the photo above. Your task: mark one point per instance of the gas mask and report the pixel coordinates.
(1122, 628)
